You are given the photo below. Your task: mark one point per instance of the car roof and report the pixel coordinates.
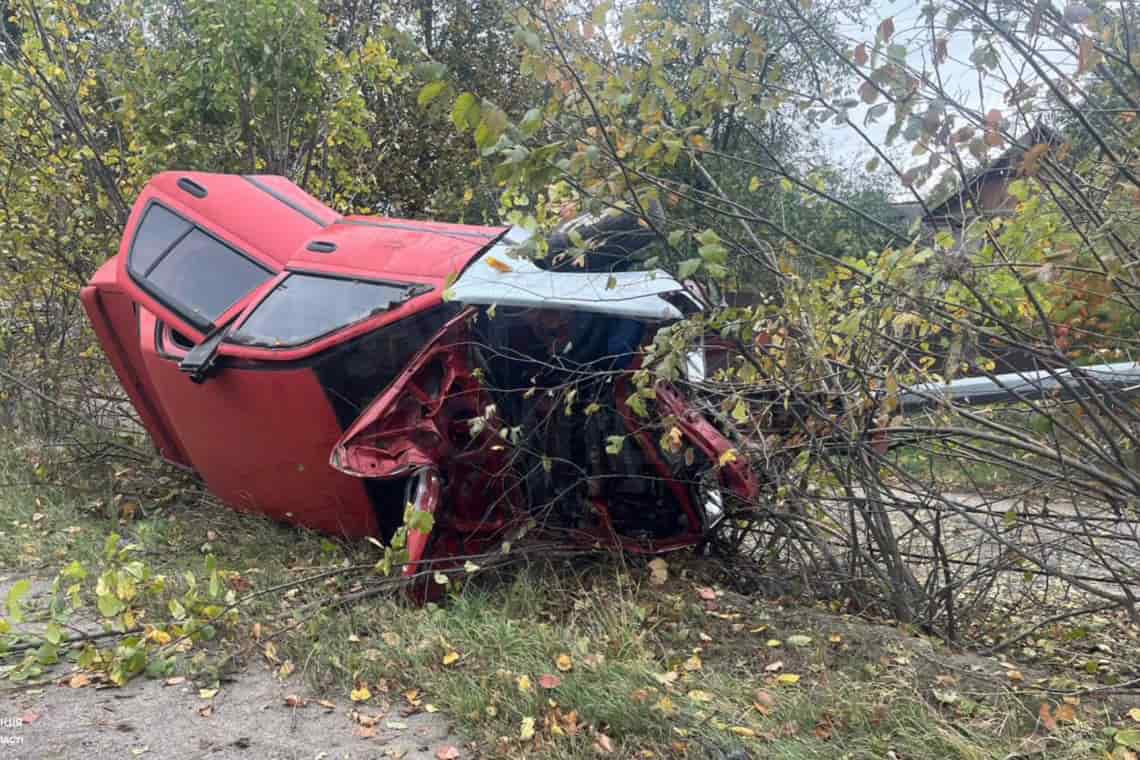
(286, 228)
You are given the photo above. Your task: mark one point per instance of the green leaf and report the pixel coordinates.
(713, 253)
(1129, 738)
(531, 121)
(753, 184)
(18, 591)
(421, 522)
(688, 268)
(110, 605)
(614, 444)
(465, 112)
(740, 411)
(430, 92)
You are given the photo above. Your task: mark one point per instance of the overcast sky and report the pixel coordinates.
(958, 73)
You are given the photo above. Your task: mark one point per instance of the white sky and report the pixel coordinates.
(958, 74)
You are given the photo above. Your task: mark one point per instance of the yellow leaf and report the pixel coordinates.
(207, 693)
(701, 696)
(527, 730)
(727, 457)
(361, 694)
(564, 663)
(1015, 675)
(775, 643)
(498, 265)
(451, 658)
(742, 731)
(693, 663)
(787, 679)
(658, 572)
(524, 683)
(1134, 713)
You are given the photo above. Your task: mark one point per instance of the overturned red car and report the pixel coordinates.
(330, 370)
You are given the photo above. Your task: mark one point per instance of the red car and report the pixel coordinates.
(328, 370)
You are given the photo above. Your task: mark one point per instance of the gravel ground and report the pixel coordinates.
(248, 718)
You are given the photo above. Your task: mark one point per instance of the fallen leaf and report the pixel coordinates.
(526, 731)
(29, 717)
(1134, 713)
(524, 683)
(294, 701)
(362, 694)
(174, 680)
(326, 704)
(1065, 713)
(207, 693)
(658, 572)
(549, 681)
(742, 731)
(947, 696)
(447, 752)
(603, 744)
(79, 680)
(799, 640)
(774, 667)
(692, 664)
(774, 643)
(707, 594)
(206, 711)
(1015, 676)
(698, 695)
(564, 663)
(451, 658)
(666, 678)
(1045, 713)
(497, 265)
(787, 679)
(835, 638)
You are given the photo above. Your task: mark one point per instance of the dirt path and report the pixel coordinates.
(246, 719)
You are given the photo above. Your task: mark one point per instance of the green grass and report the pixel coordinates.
(655, 671)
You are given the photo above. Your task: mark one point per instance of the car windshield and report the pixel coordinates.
(306, 306)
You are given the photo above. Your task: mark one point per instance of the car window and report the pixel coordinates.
(189, 270)
(159, 230)
(304, 307)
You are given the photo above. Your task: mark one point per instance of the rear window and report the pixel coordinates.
(305, 307)
(188, 269)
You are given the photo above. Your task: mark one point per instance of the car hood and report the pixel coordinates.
(502, 277)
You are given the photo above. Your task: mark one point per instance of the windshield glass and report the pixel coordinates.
(305, 307)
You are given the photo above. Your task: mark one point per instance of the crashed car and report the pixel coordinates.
(335, 371)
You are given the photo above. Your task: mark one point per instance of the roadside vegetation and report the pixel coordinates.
(587, 655)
